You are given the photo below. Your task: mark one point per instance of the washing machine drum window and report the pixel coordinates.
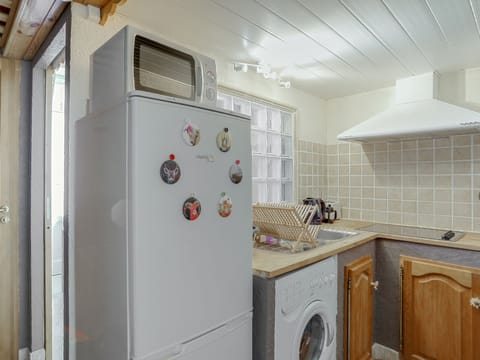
(313, 339)
(315, 335)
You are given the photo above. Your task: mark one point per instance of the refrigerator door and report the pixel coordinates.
(98, 285)
(186, 277)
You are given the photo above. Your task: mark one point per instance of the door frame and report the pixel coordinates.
(9, 190)
(56, 42)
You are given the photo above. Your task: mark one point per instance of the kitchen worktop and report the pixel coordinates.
(269, 264)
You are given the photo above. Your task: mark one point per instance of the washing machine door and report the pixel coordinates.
(315, 336)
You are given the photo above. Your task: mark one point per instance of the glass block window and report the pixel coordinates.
(272, 146)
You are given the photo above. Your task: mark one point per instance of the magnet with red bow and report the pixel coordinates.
(236, 173)
(170, 170)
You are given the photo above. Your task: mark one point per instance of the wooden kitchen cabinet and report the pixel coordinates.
(358, 309)
(439, 319)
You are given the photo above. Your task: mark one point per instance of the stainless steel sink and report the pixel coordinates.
(334, 234)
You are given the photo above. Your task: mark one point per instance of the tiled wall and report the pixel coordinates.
(310, 170)
(430, 183)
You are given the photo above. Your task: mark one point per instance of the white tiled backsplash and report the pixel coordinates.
(430, 183)
(310, 169)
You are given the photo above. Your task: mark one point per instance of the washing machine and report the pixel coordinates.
(306, 312)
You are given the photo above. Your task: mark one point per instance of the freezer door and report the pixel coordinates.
(186, 277)
(230, 341)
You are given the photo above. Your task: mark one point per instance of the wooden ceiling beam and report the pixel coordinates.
(31, 26)
(6, 3)
(12, 6)
(47, 24)
(27, 26)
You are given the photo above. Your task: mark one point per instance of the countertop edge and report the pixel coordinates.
(313, 256)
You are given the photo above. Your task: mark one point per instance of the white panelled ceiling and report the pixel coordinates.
(329, 48)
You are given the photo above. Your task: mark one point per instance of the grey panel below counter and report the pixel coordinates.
(263, 318)
(387, 272)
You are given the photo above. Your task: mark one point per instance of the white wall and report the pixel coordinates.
(460, 88)
(345, 112)
(87, 36)
(311, 121)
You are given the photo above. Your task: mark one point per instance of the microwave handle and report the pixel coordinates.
(199, 82)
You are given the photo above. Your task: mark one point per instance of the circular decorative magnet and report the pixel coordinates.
(224, 205)
(170, 171)
(236, 172)
(192, 208)
(224, 140)
(191, 134)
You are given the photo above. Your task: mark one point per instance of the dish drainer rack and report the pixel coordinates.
(286, 222)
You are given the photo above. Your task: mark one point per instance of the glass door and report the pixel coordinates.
(54, 208)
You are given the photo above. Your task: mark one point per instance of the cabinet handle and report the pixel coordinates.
(475, 302)
(4, 209)
(375, 285)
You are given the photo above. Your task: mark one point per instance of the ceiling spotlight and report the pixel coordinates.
(240, 67)
(263, 69)
(284, 84)
(270, 75)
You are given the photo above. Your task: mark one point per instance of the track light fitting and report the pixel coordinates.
(240, 67)
(261, 68)
(270, 75)
(264, 69)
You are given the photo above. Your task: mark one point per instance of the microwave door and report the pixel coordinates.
(164, 70)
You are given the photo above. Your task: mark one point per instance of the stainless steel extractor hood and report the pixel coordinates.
(417, 113)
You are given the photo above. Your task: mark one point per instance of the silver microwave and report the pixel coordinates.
(133, 60)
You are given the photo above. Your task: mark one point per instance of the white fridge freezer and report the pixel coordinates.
(155, 277)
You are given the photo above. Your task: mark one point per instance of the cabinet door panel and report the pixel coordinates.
(437, 315)
(476, 318)
(359, 309)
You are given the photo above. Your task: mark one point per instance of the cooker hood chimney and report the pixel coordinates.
(417, 113)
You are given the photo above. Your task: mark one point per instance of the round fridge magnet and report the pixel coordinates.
(191, 134)
(236, 173)
(192, 208)
(224, 140)
(170, 171)
(224, 205)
